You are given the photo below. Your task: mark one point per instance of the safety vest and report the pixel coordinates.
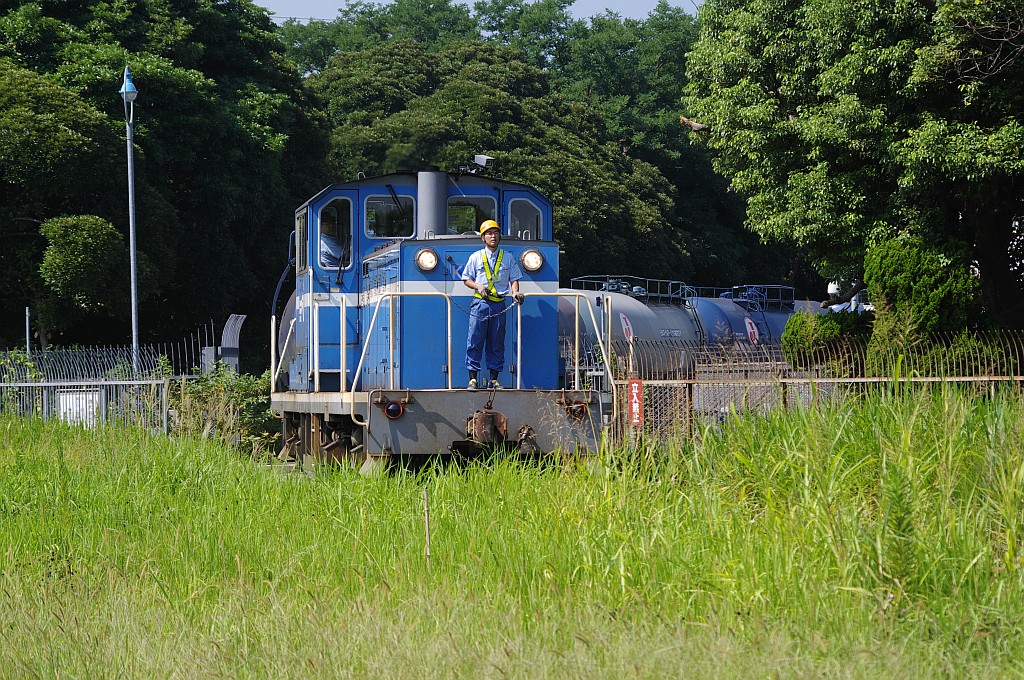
(492, 292)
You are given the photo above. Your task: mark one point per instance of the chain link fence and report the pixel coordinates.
(687, 386)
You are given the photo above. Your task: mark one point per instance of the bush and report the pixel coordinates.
(227, 406)
(923, 287)
(810, 339)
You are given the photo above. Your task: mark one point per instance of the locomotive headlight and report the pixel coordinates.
(531, 260)
(426, 259)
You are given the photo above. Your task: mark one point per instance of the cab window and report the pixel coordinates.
(524, 218)
(390, 216)
(300, 241)
(336, 234)
(466, 213)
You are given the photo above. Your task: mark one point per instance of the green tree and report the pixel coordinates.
(80, 265)
(850, 125)
(406, 107)
(633, 73)
(227, 143)
(541, 30)
(920, 284)
(58, 156)
(360, 25)
(629, 73)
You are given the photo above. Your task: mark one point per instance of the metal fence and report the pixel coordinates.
(97, 385)
(141, 403)
(100, 363)
(686, 386)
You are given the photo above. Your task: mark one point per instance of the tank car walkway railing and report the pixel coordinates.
(755, 379)
(653, 290)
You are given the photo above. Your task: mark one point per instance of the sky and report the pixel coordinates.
(327, 10)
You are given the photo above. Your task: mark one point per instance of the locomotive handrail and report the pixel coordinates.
(314, 341)
(273, 350)
(391, 334)
(576, 340)
(277, 370)
(315, 332)
(342, 364)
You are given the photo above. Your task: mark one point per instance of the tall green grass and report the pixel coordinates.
(879, 538)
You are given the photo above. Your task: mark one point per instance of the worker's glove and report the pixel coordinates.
(518, 297)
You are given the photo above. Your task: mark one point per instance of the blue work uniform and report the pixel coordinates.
(331, 251)
(486, 317)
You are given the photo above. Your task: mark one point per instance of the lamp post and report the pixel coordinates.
(128, 94)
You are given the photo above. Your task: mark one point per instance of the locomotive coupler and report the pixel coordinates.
(487, 427)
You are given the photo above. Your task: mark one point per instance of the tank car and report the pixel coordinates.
(754, 313)
(655, 327)
(650, 325)
(370, 351)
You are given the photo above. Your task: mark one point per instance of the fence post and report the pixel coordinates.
(165, 402)
(689, 410)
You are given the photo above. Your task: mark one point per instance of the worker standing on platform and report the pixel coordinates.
(493, 274)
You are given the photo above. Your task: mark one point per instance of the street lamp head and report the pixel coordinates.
(128, 90)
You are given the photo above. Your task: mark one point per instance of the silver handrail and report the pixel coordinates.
(576, 343)
(315, 341)
(391, 334)
(342, 335)
(273, 347)
(277, 371)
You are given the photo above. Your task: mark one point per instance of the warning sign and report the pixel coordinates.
(636, 403)
(751, 330)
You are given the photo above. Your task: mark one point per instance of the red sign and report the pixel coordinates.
(636, 403)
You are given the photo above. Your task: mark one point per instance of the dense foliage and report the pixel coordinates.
(809, 339)
(851, 124)
(848, 129)
(230, 137)
(925, 287)
(231, 408)
(565, 104)
(226, 145)
(406, 107)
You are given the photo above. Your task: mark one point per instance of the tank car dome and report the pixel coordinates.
(632, 318)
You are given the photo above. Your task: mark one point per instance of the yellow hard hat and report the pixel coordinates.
(487, 226)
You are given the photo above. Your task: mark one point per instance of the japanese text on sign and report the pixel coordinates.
(636, 403)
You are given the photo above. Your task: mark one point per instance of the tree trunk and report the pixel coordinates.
(994, 232)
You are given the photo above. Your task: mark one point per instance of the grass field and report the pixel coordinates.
(880, 539)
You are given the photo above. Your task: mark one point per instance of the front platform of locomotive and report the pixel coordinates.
(371, 361)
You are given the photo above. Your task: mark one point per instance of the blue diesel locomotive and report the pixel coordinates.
(370, 353)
